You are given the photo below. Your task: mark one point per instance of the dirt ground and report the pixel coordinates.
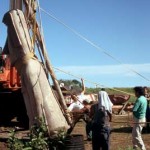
(120, 135)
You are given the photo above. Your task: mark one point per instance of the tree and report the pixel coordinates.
(73, 85)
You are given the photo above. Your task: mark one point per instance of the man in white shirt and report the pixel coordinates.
(76, 105)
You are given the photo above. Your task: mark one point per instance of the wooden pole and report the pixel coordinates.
(53, 76)
(15, 4)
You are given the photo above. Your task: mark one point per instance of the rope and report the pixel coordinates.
(23, 60)
(33, 6)
(93, 44)
(131, 122)
(97, 84)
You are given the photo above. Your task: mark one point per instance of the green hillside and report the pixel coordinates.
(76, 87)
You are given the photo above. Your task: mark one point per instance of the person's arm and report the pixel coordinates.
(110, 115)
(91, 114)
(83, 86)
(136, 107)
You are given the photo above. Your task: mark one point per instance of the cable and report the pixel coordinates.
(93, 44)
(97, 84)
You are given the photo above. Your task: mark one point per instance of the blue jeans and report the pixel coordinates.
(100, 138)
(148, 118)
(89, 129)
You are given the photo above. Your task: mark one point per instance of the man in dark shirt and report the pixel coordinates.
(100, 127)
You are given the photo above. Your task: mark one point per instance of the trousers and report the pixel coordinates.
(136, 134)
(100, 138)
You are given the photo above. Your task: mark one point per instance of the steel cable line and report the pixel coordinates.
(97, 84)
(93, 44)
(127, 122)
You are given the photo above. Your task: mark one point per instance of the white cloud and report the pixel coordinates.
(108, 75)
(125, 69)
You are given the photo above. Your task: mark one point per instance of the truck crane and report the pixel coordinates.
(12, 103)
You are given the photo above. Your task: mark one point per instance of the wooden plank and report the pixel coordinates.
(120, 112)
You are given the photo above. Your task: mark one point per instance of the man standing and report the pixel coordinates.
(101, 115)
(147, 95)
(139, 113)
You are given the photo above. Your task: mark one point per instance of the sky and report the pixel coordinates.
(106, 42)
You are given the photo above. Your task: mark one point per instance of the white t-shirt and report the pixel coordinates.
(81, 97)
(75, 106)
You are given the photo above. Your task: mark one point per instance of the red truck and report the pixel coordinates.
(12, 104)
